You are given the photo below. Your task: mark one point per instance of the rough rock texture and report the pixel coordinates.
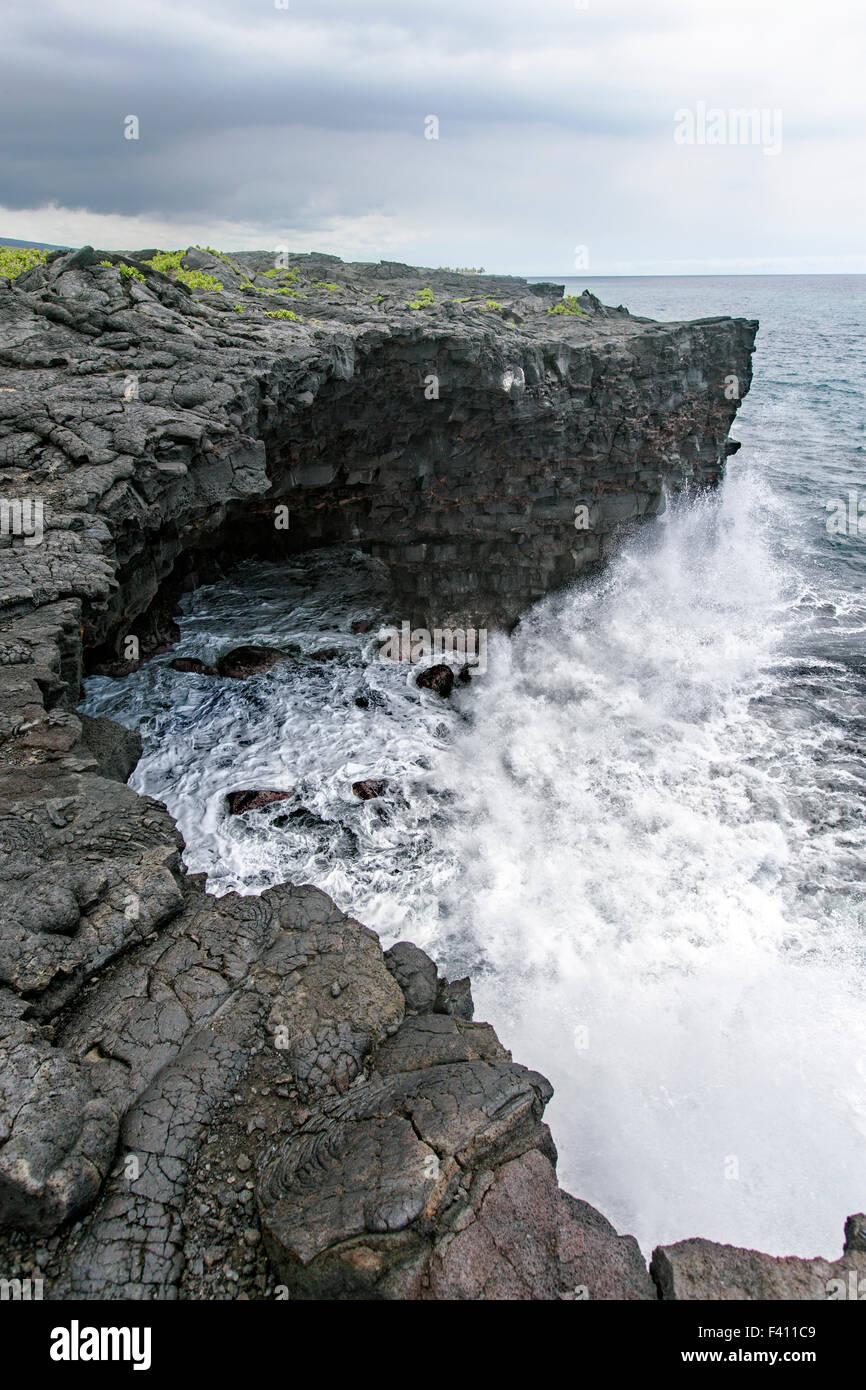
(416, 975)
(116, 749)
(432, 1179)
(180, 1074)
(700, 1269)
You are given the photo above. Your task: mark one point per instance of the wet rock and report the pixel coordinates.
(370, 788)
(439, 679)
(415, 973)
(362, 625)
(242, 801)
(243, 662)
(191, 665)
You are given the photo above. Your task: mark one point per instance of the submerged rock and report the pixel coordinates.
(191, 665)
(370, 698)
(371, 788)
(243, 662)
(241, 802)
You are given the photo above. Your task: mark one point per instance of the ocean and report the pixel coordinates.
(641, 830)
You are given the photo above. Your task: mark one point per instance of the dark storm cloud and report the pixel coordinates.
(216, 91)
(556, 127)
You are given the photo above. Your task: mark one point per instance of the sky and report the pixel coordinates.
(525, 136)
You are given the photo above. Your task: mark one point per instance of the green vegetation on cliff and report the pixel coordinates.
(169, 263)
(569, 305)
(14, 260)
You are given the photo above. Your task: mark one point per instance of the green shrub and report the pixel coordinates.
(324, 285)
(128, 272)
(166, 261)
(198, 280)
(282, 314)
(287, 274)
(569, 305)
(14, 260)
(425, 299)
(169, 263)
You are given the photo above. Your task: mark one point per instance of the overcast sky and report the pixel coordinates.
(305, 127)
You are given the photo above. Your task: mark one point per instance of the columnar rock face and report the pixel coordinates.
(208, 1097)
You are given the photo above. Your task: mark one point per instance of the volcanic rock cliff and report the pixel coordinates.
(244, 1096)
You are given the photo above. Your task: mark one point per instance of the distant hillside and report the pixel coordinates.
(42, 245)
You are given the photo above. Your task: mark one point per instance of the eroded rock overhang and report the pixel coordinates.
(458, 442)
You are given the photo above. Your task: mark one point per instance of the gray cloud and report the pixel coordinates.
(555, 126)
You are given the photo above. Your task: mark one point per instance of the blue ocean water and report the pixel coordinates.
(642, 830)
